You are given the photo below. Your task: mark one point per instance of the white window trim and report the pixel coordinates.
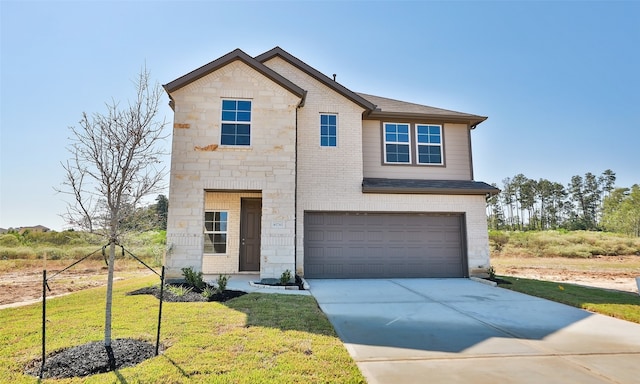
(428, 144)
(250, 123)
(320, 130)
(206, 232)
(385, 142)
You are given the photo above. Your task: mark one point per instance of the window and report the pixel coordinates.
(215, 232)
(396, 143)
(429, 144)
(236, 122)
(328, 129)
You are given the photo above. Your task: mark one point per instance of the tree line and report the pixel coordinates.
(145, 218)
(587, 202)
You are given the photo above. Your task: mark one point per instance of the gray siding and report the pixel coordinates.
(457, 164)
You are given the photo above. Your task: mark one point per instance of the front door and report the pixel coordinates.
(250, 218)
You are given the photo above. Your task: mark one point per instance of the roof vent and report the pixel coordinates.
(334, 77)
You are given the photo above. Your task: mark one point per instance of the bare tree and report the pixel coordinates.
(116, 161)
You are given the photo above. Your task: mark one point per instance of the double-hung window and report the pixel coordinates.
(328, 130)
(236, 122)
(215, 232)
(429, 144)
(397, 148)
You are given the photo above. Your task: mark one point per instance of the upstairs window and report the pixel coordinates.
(215, 232)
(396, 143)
(429, 144)
(236, 122)
(328, 130)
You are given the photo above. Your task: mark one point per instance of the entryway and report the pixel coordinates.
(250, 229)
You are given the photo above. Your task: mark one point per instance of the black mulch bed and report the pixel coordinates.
(276, 283)
(498, 280)
(92, 358)
(192, 296)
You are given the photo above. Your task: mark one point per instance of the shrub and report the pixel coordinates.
(571, 251)
(285, 278)
(209, 292)
(193, 278)
(222, 282)
(79, 252)
(9, 240)
(492, 273)
(498, 239)
(178, 290)
(51, 253)
(21, 252)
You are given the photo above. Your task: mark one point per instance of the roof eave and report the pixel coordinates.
(344, 91)
(472, 120)
(230, 57)
(428, 191)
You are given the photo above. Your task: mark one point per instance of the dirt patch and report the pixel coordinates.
(609, 272)
(24, 283)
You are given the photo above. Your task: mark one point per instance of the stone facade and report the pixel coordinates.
(287, 168)
(200, 164)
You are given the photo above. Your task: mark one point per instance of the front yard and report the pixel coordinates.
(256, 338)
(623, 305)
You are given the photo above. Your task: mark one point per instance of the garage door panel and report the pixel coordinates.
(377, 253)
(316, 235)
(355, 236)
(375, 236)
(414, 236)
(383, 245)
(315, 252)
(333, 236)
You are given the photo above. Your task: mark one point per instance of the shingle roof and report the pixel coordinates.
(395, 108)
(344, 91)
(375, 106)
(449, 187)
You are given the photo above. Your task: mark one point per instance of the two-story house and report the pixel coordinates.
(275, 166)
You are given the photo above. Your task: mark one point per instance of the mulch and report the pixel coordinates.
(189, 297)
(92, 358)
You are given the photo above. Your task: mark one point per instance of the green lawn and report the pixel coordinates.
(622, 305)
(257, 338)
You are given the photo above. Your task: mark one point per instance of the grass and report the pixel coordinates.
(574, 244)
(625, 306)
(69, 245)
(256, 338)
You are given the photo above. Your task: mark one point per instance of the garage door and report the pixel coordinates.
(370, 245)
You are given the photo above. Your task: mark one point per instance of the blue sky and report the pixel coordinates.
(560, 81)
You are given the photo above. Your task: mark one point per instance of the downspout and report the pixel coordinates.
(295, 202)
(470, 128)
(295, 191)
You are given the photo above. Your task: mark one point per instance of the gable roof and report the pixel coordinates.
(391, 108)
(230, 57)
(376, 107)
(324, 79)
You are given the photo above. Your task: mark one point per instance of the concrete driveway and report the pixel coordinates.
(462, 331)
